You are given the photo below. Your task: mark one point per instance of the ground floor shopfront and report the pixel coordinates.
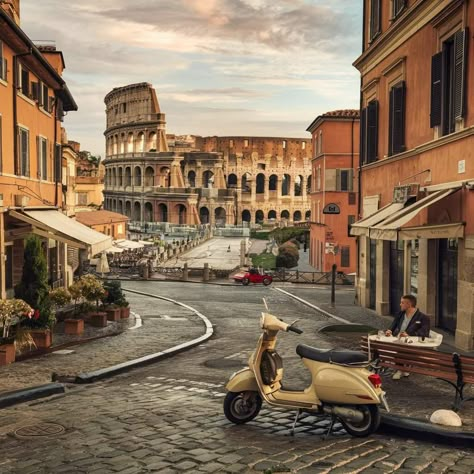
(434, 260)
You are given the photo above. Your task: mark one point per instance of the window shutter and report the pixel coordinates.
(350, 180)
(436, 89)
(374, 18)
(338, 180)
(38, 157)
(460, 42)
(363, 137)
(44, 167)
(372, 131)
(3, 68)
(397, 119)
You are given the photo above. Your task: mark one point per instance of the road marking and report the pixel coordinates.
(307, 303)
(138, 320)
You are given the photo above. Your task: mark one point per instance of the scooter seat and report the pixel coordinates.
(330, 355)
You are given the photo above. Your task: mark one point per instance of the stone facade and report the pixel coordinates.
(219, 180)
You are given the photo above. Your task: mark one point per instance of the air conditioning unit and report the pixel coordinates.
(21, 200)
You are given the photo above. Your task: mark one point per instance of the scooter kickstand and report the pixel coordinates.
(333, 420)
(298, 413)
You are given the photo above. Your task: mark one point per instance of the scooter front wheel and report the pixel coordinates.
(367, 426)
(241, 407)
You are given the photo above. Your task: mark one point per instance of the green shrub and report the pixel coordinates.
(114, 293)
(286, 259)
(286, 233)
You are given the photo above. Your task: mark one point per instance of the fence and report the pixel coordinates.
(321, 278)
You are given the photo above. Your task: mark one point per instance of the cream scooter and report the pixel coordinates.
(341, 384)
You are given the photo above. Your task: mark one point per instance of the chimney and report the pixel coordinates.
(12, 7)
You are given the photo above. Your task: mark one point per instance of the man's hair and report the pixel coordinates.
(410, 298)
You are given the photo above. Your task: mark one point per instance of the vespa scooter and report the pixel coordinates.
(341, 386)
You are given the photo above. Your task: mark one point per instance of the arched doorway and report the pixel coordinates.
(285, 215)
(165, 177)
(149, 176)
(273, 182)
(162, 212)
(192, 179)
(299, 185)
(260, 189)
(181, 213)
(148, 212)
(138, 176)
(141, 142)
(232, 181)
(220, 216)
(128, 176)
(152, 142)
(208, 179)
(272, 214)
(204, 215)
(259, 217)
(246, 182)
(120, 176)
(246, 216)
(137, 211)
(296, 216)
(285, 185)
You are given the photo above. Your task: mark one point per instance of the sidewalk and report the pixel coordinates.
(165, 325)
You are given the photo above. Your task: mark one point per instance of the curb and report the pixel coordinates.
(419, 429)
(89, 377)
(30, 393)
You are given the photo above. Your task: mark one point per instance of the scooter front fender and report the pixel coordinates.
(242, 381)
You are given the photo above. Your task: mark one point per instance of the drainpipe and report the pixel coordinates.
(59, 166)
(15, 111)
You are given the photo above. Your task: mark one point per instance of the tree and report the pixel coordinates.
(33, 287)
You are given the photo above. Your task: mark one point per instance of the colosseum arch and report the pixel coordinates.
(246, 215)
(296, 216)
(273, 183)
(149, 176)
(246, 182)
(137, 173)
(307, 215)
(164, 177)
(128, 209)
(141, 142)
(299, 181)
(128, 176)
(122, 143)
(114, 177)
(260, 189)
(180, 210)
(151, 141)
(148, 210)
(162, 213)
(120, 176)
(308, 184)
(120, 207)
(232, 180)
(259, 217)
(272, 214)
(285, 185)
(207, 179)
(115, 145)
(204, 215)
(130, 143)
(285, 214)
(192, 179)
(220, 216)
(137, 211)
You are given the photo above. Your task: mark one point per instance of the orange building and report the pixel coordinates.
(416, 233)
(333, 190)
(33, 99)
(107, 222)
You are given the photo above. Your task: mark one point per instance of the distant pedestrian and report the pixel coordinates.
(305, 246)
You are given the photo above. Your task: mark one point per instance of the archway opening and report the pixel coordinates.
(192, 179)
(273, 182)
(149, 176)
(163, 212)
(260, 189)
(232, 181)
(296, 216)
(204, 215)
(259, 217)
(272, 214)
(181, 213)
(246, 216)
(285, 215)
(138, 176)
(148, 212)
(220, 216)
(208, 179)
(285, 185)
(137, 211)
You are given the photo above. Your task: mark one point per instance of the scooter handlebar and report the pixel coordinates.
(295, 329)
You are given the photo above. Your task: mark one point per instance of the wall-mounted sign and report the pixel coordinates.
(331, 209)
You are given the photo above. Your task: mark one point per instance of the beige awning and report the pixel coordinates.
(362, 227)
(57, 226)
(392, 228)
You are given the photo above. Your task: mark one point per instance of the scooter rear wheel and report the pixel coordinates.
(367, 426)
(242, 407)
(245, 281)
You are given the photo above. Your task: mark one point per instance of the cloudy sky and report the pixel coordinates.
(220, 67)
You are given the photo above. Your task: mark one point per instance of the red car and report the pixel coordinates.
(253, 276)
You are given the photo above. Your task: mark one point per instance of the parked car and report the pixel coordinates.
(253, 275)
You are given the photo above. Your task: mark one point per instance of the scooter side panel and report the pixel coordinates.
(242, 381)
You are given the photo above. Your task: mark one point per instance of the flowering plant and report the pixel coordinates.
(13, 311)
(92, 288)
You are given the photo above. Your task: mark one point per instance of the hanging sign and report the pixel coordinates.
(331, 209)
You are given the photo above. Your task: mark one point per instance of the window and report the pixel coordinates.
(350, 221)
(375, 16)
(23, 168)
(397, 7)
(82, 199)
(124, 107)
(42, 147)
(231, 143)
(344, 179)
(396, 128)
(369, 132)
(318, 179)
(3, 64)
(345, 256)
(57, 162)
(284, 144)
(352, 198)
(24, 81)
(45, 100)
(246, 143)
(448, 83)
(303, 145)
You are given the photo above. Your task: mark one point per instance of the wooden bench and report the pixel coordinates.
(455, 369)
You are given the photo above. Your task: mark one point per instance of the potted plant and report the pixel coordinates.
(60, 297)
(34, 290)
(11, 313)
(115, 299)
(92, 290)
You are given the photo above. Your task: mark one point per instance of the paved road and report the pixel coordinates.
(168, 417)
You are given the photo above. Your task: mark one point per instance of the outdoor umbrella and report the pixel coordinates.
(102, 265)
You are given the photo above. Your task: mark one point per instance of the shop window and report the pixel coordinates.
(448, 73)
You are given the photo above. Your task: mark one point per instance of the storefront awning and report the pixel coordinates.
(362, 227)
(393, 226)
(57, 226)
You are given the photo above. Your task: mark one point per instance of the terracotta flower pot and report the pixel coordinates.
(42, 338)
(98, 320)
(125, 312)
(113, 314)
(7, 354)
(73, 327)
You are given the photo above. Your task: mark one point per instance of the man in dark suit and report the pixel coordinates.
(409, 322)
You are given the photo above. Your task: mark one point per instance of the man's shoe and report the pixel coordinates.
(397, 375)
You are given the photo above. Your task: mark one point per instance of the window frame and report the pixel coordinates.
(398, 6)
(23, 156)
(375, 19)
(3, 64)
(42, 149)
